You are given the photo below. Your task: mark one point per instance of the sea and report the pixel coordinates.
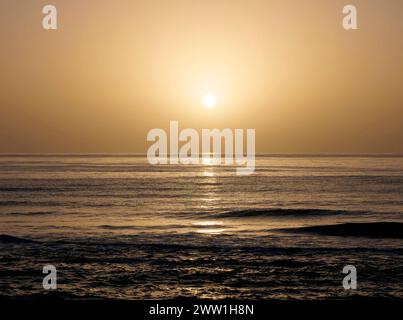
(116, 227)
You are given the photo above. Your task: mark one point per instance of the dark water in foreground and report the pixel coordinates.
(116, 227)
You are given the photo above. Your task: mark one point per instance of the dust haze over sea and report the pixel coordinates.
(116, 227)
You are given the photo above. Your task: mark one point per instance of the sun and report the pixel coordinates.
(209, 100)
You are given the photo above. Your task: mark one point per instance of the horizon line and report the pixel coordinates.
(135, 154)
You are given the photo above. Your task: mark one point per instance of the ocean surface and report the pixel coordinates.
(117, 227)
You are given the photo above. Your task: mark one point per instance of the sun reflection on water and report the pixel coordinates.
(211, 231)
(208, 223)
(212, 227)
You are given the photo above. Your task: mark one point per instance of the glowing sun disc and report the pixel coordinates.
(209, 101)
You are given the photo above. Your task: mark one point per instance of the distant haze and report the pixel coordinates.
(116, 69)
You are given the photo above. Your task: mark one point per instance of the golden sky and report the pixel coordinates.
(116, 69)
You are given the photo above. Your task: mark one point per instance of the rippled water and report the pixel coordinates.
(116, 227)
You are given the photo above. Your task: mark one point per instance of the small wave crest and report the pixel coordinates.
(4, 238)
(30, 213)
(278, 212)
(369, 230)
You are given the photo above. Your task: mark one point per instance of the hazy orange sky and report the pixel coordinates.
(116, 69)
